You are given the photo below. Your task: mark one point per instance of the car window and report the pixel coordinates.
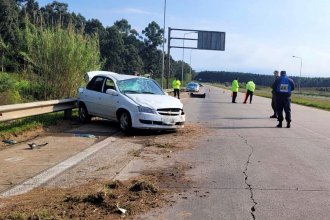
(109, 84)
(139, 85)
(96, 84)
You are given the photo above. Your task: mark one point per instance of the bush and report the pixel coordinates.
(9, 94)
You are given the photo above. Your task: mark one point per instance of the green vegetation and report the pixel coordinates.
(312, 97)
(45, 51)
(321, 84)
(21, 125)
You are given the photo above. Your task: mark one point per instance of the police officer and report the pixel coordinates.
(276, 75)
(176, 85)
(283, 86)
(250, 87)
(234, 89)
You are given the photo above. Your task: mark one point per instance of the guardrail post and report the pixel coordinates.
(68, 114)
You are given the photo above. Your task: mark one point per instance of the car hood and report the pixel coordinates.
(156, 101)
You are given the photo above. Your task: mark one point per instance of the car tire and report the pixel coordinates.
(125, 121)
(84, 116)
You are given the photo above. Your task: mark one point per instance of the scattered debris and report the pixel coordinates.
(141, 185)
(123, 211)
(34, 145)
(9, 141)
(85, 135)
(197, 95)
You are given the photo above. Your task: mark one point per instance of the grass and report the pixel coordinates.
(21, 125)
(312, 97)
(306, 97)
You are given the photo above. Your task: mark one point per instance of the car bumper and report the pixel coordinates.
(155, 121)
(192, 90)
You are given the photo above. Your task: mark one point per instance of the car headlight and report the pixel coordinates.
(146, 110)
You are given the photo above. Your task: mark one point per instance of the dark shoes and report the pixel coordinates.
(279, 125)
(288, 125)
(273, 116)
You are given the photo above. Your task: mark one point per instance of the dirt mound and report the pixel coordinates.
(95, 200)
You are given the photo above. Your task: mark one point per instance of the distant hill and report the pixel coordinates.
(261, 80)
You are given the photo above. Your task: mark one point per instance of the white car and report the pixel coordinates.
(133, 101)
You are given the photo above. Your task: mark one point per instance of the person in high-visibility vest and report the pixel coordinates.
(234, 89)
(176, 85)
(250, 87)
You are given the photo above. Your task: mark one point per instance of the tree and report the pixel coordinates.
(3, 50)
(8, 21)
(94, 26)
(154, 35)
(112, 50)
(133, 61)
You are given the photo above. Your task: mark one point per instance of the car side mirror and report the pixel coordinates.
(111, 92)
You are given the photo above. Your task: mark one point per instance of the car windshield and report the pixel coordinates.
(139, 86)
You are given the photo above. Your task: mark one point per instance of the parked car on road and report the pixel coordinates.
(192, 87)
(133, 101)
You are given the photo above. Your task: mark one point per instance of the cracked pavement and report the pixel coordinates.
(245, 168)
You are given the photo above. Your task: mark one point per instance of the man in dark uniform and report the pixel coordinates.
(283, 86)
(276, 75)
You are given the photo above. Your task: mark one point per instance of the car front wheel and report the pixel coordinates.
(84, 117)
(125, 121)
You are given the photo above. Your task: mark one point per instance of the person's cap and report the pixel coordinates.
(283, 73)
(275, 71)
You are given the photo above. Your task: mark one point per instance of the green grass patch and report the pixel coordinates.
(312, 97)
(30, 123)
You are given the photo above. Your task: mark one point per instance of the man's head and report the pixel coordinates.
(283, 73)
(276, 73)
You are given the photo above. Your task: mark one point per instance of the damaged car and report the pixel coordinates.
(132, 101)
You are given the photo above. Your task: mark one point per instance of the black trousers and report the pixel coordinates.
(283, 103)
(274, 104)
(234, 97)
(177, 93)
(248, 93)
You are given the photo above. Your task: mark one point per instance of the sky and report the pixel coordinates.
(261, 35)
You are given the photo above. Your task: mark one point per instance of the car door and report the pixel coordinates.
(92, 95)
(109, 102)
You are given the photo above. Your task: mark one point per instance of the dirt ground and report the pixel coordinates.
(32, 134)
(109, 199)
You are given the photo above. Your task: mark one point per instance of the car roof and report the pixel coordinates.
(114, 75)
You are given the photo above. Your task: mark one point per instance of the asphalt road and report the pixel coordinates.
(246, 168)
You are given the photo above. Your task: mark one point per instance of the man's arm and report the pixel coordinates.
(275, 84)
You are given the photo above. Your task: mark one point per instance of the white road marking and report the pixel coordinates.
(43, 177)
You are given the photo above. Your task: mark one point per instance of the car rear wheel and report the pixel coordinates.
(84, 117)
(125, 121)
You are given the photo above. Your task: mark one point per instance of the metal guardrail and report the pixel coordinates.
(16, 111)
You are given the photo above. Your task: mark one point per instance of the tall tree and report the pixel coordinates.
(150, 55)
(8, 21)
(112, 50)
(94, 26)
(154, 35)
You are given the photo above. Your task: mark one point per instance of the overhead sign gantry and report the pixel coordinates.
(206, 40)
